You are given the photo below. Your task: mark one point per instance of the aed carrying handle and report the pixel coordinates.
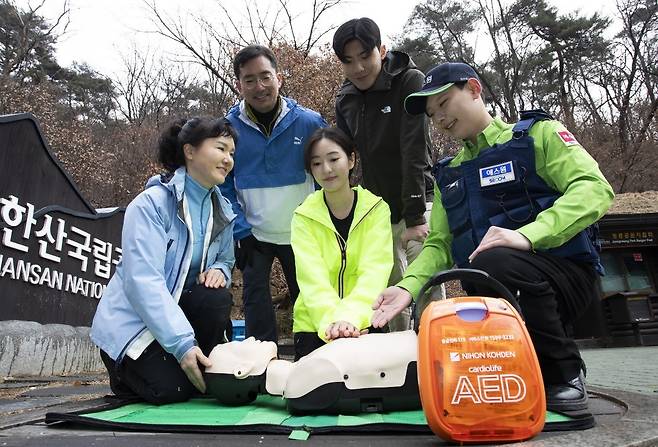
(471, 275)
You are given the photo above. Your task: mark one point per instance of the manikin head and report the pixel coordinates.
(237, 374)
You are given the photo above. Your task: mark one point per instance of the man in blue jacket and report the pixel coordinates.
(267, 183)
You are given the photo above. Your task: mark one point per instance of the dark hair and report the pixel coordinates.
(364, 30)
(330, 133)
(193, 131)
(251, 52)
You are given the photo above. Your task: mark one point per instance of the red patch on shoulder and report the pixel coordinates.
(567, 137)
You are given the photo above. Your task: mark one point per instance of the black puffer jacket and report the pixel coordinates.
(394, 146)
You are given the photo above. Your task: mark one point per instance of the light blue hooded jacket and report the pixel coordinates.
(140, 303)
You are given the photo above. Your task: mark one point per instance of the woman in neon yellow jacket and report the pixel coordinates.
(341, 237)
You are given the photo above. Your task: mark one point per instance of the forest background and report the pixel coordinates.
(602, 85)
(597, 73)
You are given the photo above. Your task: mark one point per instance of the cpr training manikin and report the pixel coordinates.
(371, 373)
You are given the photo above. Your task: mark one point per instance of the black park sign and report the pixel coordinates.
(57, 253)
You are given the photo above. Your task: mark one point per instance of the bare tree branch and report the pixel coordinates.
(176, 33)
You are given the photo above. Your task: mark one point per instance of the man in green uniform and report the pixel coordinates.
(518, 202)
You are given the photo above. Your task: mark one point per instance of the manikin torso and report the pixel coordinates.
(369, 361)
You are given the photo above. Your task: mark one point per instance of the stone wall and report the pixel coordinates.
(32, 349)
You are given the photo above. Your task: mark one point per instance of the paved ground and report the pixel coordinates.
(626, 369)
(623, 381)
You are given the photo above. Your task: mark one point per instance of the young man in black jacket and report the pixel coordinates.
(394, 146)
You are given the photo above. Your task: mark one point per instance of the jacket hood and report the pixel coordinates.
(314, 207)
(394, 63)
(175, 184)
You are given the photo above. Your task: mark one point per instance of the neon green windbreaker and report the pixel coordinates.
(339, 280)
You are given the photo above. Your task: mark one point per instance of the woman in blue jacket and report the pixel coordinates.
(168, 303)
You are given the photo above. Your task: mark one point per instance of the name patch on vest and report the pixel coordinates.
(497, 174)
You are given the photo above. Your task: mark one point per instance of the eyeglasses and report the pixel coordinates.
(265, 79)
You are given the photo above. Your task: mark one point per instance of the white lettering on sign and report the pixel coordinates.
(13, 215)
(30, 273)
(52, 241)
(490, 389)
(39, 275)
(84, 287)
(58, 240)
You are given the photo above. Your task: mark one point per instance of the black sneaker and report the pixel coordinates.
(565, 397)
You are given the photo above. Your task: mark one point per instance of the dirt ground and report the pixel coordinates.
(280, 299)
(635, 203)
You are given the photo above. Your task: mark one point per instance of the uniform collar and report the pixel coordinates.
(253, 115)
(314, 207)
(285, 105)
(488, 137)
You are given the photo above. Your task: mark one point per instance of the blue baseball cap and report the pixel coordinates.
(438, 80)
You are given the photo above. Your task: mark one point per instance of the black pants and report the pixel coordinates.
(307, 342)
(260, 319)
(156, 375)
(552, 293)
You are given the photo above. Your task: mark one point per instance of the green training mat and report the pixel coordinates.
(268, 414)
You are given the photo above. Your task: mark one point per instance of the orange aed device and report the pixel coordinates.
(477, 368)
